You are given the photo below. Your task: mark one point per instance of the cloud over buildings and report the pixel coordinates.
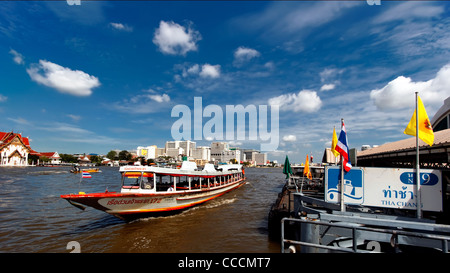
(399, 93)
(304, 101)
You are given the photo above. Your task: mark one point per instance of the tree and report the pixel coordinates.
(125, 155)
(96, 159)
(233, 161)
(112, 155)
(33, 159)
(68, 158)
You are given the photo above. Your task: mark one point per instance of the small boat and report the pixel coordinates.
(97, 170)
(153, 191)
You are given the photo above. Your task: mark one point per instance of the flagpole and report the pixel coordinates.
(419, 201)
(335, 157)
(342, 176)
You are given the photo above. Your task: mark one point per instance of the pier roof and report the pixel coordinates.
(403, 152)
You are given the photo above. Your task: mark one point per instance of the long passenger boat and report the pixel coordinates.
(151, 191)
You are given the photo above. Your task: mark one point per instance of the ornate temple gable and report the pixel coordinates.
(14, 149)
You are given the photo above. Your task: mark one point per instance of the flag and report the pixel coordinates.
(342, 148)
(425, 131)
(333, 143)
(287, 167)
(86, 175)
(306, 170)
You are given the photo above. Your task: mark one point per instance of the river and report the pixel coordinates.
(33, 217)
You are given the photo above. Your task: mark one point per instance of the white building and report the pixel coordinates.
(218, 147)
(14, 149)
(148, 152)
(202, 152)
(174, 152)
(261, 159)
(187, 146)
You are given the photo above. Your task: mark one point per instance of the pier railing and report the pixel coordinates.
(353, 235)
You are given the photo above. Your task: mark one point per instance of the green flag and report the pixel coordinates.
(287, 167)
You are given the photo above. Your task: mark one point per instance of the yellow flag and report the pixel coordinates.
(425, 131)
(306, 169)
(333, 143)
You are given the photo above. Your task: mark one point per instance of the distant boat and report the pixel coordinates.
(86, 170)
(152, 191)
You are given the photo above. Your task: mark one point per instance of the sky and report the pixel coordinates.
(107, 75)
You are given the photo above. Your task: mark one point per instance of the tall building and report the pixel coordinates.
(261, 159)
(220, 151)
(218, 147)
(174, 152)
(187, 146)
(202, 152)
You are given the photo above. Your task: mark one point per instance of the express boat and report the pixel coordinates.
(152, 191)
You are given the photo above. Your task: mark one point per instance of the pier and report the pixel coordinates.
(304, 221)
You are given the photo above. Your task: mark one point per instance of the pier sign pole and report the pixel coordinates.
(342, 176)
(419, 209)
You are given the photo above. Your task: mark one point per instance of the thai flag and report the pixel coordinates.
(86, 175)
(342, 148)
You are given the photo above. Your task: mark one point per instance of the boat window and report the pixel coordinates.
(182, 183)
(147, 181)
(163, 182)
(131, 180)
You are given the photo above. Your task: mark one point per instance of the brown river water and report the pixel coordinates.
(33, 217)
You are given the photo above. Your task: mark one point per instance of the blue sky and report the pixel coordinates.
(105, 75)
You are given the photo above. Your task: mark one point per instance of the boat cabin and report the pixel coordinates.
(144, 179)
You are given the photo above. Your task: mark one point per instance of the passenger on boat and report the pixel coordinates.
(148, 184)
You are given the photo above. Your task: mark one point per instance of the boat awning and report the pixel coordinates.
(137, 174)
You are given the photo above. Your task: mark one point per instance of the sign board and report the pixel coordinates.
(385, 187)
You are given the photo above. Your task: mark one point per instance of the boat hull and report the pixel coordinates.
(130, 206)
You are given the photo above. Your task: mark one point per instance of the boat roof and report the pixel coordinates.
(187, 168)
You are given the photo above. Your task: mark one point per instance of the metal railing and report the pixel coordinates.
(357, 236)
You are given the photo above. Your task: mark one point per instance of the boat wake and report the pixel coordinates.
(48, 172)
(218, 203)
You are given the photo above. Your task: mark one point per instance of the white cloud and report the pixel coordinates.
(149, 102)
(288, 23)
(20, 121)
(409, 10)
(289, 138)
(63, 79)
(399, 93)
(18, 58)
(3, 98)
(205, 71)
(244, 54)
(120, 26)
(174, 39)
(211, 71)
(304, 101)
(74, 117)
(72, 133)
(327, 87)
(160, 98)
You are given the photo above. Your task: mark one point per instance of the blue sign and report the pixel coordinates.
(426, 179)
(353, 185)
